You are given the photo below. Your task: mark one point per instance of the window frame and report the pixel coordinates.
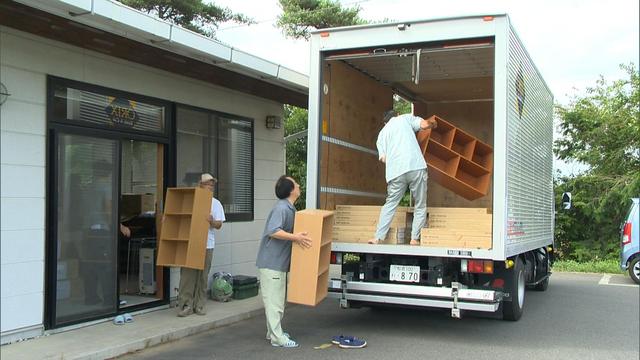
(230, 217)
(107, 91)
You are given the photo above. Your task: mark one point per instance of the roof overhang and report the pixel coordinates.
(112, 28)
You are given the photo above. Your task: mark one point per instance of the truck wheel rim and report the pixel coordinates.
(521, 289)
(636, 269)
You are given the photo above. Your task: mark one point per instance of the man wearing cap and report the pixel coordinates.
(193, 283)
(405, 166)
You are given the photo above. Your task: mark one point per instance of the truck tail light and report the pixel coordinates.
(336, 258)
(476, 266)
(626, 234)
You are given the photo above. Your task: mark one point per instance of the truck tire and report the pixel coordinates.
(544, 284)
(634, 269)
(512, 310)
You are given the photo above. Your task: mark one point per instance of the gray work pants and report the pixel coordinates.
(192, 290)
(273, 286)
(416, 180)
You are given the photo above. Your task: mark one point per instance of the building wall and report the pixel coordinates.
(25, 62)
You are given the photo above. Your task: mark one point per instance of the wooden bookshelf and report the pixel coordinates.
(183, 232)
(309, 274)
(457, 160)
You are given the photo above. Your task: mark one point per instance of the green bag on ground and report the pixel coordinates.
(221, 286)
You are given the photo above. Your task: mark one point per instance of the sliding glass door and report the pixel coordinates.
(86, 227)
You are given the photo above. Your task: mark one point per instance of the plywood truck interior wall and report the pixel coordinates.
(455, 81)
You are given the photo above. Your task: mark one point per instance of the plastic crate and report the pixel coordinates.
(244, 280)
(245, 291)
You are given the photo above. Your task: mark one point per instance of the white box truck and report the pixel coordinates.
(475, 73)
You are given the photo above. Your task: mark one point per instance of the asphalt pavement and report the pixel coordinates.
(580, 316)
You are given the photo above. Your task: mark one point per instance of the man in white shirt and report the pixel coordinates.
(193, 283)
(405, 166)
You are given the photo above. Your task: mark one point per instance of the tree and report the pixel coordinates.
(600, 129)
(296, 150)
(299, 17)
(194, 15)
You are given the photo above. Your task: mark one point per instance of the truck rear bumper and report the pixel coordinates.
(415, 295)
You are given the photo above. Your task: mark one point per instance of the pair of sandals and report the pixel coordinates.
(348, 342)
(123, 319)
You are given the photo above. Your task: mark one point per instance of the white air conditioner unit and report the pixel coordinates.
(147, 271)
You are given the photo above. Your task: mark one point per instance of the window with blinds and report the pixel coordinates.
(222, 145)
(107, 110)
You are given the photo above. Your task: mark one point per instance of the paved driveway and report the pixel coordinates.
(580, 316)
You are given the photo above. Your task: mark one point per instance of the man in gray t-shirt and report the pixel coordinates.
(274, 258)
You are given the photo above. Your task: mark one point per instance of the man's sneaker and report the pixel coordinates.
(288, 344)
(352, 343)
(186, 311)
(201, 311)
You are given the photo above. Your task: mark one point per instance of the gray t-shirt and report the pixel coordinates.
(275, 254)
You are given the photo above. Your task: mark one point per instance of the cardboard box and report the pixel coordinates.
(361, 234)
(136, 204)
(467, 228)
(368, 215)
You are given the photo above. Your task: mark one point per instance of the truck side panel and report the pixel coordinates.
(529, 162)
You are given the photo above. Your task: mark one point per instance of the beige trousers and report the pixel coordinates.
(193, 285)
(273, 286)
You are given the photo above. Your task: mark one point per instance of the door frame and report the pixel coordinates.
(56, 127)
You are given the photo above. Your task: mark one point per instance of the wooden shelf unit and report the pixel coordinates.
(309, 273)
(457, 160)
(183, 233)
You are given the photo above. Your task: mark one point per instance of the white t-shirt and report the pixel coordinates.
(218, 214)
(398, 144)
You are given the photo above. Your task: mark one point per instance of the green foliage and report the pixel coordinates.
(296, 150)
(400, 105)
(590, 230)
(299, 17)
(594, 266)
(600, 129)
(194, 15)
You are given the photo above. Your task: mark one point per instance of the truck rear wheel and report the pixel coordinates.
(512, 310)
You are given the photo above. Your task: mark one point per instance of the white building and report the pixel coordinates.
(107, 108)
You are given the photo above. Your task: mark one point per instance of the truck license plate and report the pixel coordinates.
(404, 273)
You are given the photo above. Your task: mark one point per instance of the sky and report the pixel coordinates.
(572, 43)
